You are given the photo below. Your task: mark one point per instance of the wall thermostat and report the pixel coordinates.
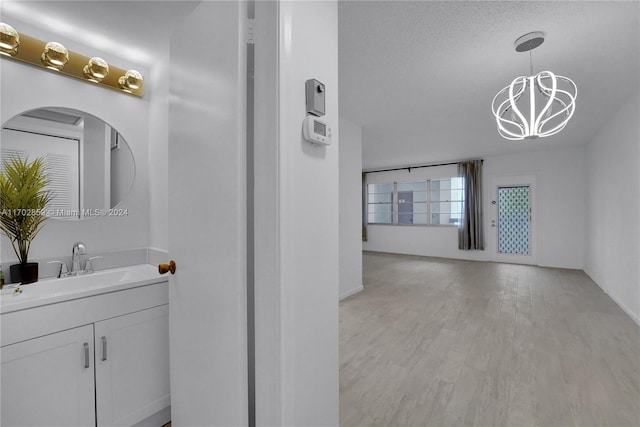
(315, 97)
(316, 131)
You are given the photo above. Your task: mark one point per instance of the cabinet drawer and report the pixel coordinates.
(38, 321)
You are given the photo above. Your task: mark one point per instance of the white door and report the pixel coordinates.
(207, 217)
(132, 366)
(513, 226)
(49, 381)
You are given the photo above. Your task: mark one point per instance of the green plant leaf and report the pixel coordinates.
(23, 193)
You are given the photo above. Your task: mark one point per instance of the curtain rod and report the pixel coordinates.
(416, 167)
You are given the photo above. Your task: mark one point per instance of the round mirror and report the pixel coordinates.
(90, 168)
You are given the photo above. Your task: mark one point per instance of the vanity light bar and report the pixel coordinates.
(51, 56)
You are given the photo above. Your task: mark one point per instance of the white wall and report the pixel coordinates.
(560, 189)
(308, 204)
(96, 154)
(158, 96)
(350, 208)
(23, 88)
(612, 229)
(560, 195)
(122, 173)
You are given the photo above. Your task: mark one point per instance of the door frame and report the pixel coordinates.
(513, 181)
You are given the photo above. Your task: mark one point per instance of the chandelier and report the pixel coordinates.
(536, 106)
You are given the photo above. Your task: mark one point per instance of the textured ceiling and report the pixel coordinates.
(419, 77)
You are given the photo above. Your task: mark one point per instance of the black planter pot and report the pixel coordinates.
(25, 273)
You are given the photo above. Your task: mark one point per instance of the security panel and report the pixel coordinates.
(316, 131)
(315, 97)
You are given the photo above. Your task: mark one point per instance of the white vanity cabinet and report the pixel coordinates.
(99, 360)
(132, 366)
(49, 381)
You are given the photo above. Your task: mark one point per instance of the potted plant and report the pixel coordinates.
(23, 199)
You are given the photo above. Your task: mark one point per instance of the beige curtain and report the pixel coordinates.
(364, 207)
(470, 230)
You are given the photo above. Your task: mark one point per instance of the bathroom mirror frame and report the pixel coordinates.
(89, 196)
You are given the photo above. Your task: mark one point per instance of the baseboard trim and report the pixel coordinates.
(624, 308)
(351, 292)
(160, 418)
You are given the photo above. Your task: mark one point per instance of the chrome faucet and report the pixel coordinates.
(76, 254)
(62, 271)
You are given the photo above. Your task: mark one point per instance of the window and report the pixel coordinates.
(61, 156)
(412, 202)
(446, 201)
(429, 202)
(380, 203)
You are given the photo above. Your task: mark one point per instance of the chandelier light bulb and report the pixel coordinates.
(550, 101)
(536, 106)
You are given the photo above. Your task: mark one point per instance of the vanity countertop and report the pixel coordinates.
(51, 291)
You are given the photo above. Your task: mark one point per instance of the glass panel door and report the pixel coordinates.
(514, 220)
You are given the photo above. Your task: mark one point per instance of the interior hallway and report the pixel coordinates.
(441, 342)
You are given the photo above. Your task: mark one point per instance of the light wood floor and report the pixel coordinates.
(435, 342)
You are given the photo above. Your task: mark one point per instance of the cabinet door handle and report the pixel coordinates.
(86, 355)
(104, 349)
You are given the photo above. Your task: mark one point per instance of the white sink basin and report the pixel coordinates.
(49, 291)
